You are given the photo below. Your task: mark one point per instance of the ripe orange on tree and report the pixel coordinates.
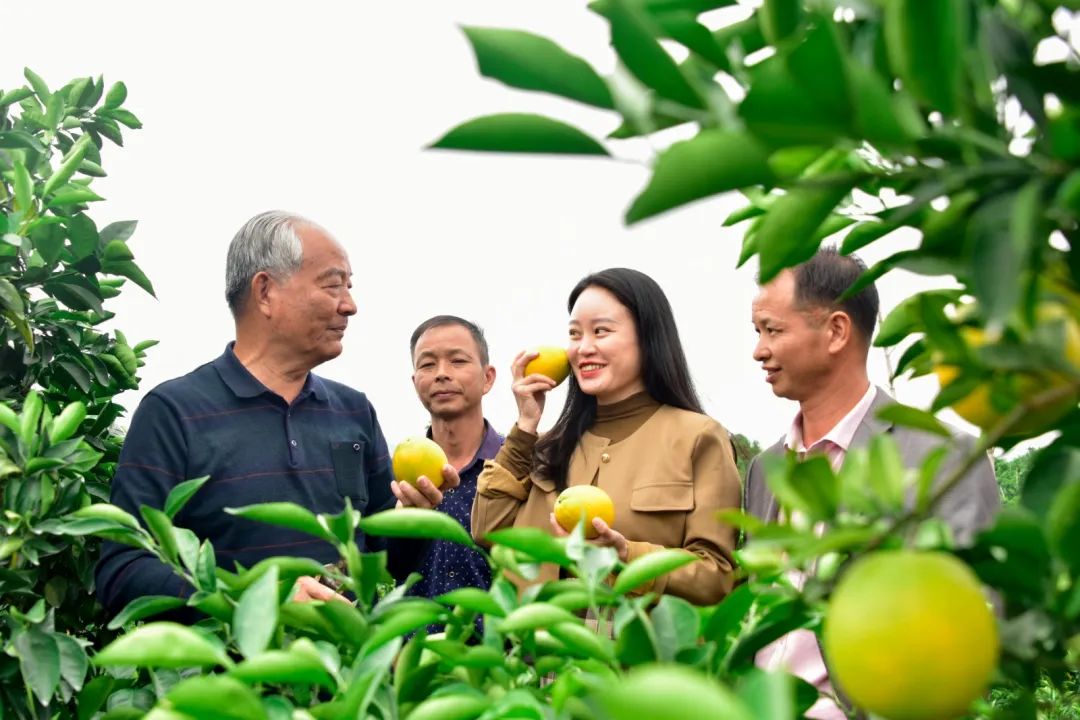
(910, 636)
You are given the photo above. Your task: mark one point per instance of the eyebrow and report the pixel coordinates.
(612, 321)
(343, 274)
(452, 351)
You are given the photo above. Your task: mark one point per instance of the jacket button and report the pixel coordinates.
(605, 457)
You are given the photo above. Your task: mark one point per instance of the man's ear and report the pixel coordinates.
(489, 378)
(840, 329)
(262, 291)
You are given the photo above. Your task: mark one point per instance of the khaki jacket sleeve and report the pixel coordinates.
(503, 485)
(716, 487)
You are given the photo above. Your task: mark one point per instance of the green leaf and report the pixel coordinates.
(130, 270)
(144, 607)
(286, 515)
(299, 664)
(117, 251)
(451, 707)
(256, 614)
(40, 88)
(801, 98)
(1000, 250)
(583, 641)
(401, 623)
(187, 547)
(73, 661)
(13, 96)
(206, 568)
(10, 298)
(675, 625)
(879, 115)
(76, 293)
(216, 697)
(116, 96)
(530, 62)
(107, 512)
(885, 476)
(122, 230)
(124, 117)
(538, 544)
(181, 493)
(1063, 524)
(24, 187)
(727, 619)
(633, 35)
(786, 235)
(93, 696)
(769, 694)
(39, 661)
(534, 617)
(473, 599)
(712, 162)
(64, 425)
(1054, 467)
(519, 132)
(73, 195)
(83, 235)
(926, 41)
(161, 528)
(779, 19)
(162, 644)
(416, 523)
(68, 166)
(648, 567)
(908, 416)
(662, 693)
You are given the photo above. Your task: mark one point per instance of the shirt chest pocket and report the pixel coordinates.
(660, 510)
(349, 473)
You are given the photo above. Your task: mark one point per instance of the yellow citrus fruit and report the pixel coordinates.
(978, 408)
(583, 501)
(418, 456)
(909, 635)
(551, 362)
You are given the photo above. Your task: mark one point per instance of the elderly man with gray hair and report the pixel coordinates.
(261, 424)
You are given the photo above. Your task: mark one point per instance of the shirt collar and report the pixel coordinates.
(489, 446)
(841, 434)
(245, 385)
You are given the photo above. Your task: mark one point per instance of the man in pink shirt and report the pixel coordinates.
(813, 348)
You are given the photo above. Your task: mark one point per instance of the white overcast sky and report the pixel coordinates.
(324, 108)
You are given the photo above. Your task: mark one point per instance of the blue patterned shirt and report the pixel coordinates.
(449, 566)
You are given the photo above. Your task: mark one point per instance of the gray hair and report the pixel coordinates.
(267, 242)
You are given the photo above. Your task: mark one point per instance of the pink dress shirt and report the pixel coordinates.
(798, 651)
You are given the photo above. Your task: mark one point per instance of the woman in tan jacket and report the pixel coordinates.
(632, 425)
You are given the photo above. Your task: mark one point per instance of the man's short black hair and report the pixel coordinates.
(824, 278)
(444, 320)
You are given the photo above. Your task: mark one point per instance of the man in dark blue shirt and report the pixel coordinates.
(452, 374)
(261, 424)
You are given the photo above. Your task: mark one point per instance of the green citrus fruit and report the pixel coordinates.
(583, 501)
(418, 456)
(910, 636)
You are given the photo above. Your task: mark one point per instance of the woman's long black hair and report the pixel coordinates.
(663, 366)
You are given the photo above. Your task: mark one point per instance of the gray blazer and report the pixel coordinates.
(967, 508)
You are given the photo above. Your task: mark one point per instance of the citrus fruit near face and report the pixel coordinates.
(418, 456)
(583, 501)
(551, 362)
(910, 636)
(978, 408)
